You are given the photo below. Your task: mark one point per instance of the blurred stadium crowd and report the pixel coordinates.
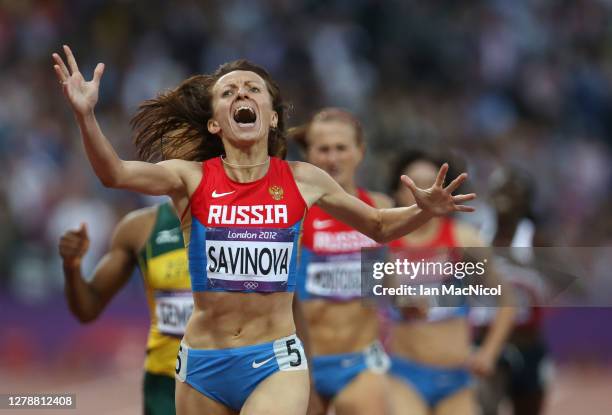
(524, 83)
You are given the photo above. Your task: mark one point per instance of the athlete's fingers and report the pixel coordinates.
(71, 234)
(82, 232)
(71, 246)
(409, 183)
(456, 183)
(73, 238)
(59, 74)
(464, 208)
(70, 249)
(441, 175)
(464, 198)
(98, 73)
(60, 62)
(68, 237)
(71, 61)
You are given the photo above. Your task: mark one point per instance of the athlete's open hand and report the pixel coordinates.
(439, 200)
(82, 94)
(73, 245)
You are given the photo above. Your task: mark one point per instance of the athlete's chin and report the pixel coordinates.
(247, 135)
(246, 139)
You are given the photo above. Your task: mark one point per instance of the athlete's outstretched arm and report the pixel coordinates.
(88, 298)
(382, 225)
(155, 179)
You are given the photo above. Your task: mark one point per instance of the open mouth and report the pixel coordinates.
(245, 116)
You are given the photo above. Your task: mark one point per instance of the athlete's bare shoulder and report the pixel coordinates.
(190, 172)
(138, 216)
(302, 171)
(134, 229)
(381, 200)
(311, 180)
(181, 166)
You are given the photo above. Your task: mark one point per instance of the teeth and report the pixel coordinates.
(244, 114)
(244, 107)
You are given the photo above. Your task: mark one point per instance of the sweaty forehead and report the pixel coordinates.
(238, 78)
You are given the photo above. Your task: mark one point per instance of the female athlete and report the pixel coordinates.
(151, 238)
(432, 357)
(524, 367)
(242, 211)
(347, 360)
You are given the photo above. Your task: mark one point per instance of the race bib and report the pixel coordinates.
(180, 368)
(376, 358)
(249, 258)
(289, 354)
(334, 277)
(173, 309)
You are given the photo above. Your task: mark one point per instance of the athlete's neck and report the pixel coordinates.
(245, 165)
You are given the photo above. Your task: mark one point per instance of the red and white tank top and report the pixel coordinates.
(330, 262)
(438, 250)
(244, 236)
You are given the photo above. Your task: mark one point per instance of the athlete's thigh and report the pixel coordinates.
(366, 394)
(316, 404)
(283, 393)
(404, 399)
(462, 402)
(191, 402)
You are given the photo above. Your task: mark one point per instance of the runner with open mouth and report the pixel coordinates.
(240, 352)
(245, 116)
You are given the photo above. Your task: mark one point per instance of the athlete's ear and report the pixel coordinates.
(274, 121)
(213, 126)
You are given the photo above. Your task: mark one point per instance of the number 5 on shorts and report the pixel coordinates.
(296, 351)
(289, 353)
(181, 362)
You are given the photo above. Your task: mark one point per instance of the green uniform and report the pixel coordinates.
(163, 262)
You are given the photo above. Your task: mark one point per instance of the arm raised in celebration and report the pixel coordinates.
(382, 225)
(164, 178)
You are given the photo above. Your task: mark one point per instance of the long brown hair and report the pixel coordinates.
(173, 125)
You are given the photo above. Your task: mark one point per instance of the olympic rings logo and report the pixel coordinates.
(250, 285)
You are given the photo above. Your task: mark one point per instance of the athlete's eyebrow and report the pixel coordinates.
(235, 85)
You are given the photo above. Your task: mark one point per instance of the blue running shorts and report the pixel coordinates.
(229, 376)
(332, 373)
(433, 383)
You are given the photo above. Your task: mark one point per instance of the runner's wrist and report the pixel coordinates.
(73, 263)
